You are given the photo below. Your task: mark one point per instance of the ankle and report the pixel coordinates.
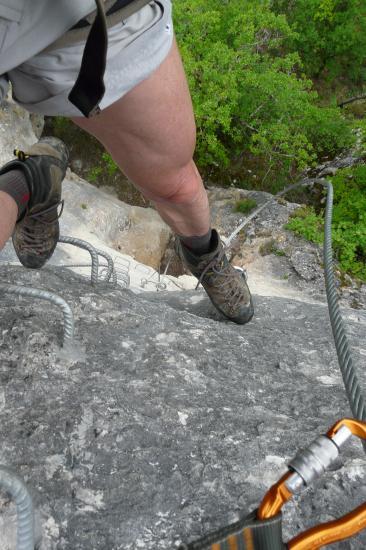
(198, 245)
(8, 217)
(14, 184)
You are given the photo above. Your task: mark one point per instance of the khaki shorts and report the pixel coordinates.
(136, 47)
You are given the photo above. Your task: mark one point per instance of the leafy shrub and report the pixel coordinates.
(106, 167)
(306, 223)
(61, 124)
(330, 36)
(94, 174)
(270, 247)
(349, 221)
(245, 205)
(249, 99)
(361, 128)
(326, 129)
(110, 166)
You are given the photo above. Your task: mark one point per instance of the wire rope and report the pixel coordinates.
(345, 361)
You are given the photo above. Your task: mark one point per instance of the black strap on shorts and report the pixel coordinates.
(89, 88)
(248, 533)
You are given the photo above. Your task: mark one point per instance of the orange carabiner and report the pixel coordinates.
(332, 531)
(326, 533)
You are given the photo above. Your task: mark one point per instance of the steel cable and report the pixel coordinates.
(350, 379)
(348, 370)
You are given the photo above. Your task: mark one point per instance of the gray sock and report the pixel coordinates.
(198, 245)
(15, 184)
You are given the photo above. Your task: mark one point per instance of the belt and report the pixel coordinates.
(118, 5)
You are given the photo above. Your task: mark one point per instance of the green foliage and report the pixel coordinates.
(61, 124)
(249, 99)
(326, 129)
(266, 247)
(277, 251)
(305, 222)
(107, 167)
(361, 127)
(349, 221)
(245, 205)
(330, 36)
(94, 174)
(110, 166)
(269, 247)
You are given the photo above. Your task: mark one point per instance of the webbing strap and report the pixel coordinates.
(248, 533)
(89, 88)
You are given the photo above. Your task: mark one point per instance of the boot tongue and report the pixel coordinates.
(215, 241)
(39, 192)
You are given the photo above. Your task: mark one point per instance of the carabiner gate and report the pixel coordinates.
(308, 465)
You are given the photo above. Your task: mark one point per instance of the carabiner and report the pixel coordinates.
(308, 465)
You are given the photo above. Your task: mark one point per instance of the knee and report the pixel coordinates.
(182, 187)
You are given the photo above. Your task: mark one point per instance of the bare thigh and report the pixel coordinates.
(150, 132)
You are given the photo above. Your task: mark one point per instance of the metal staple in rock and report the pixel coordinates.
(92, 251)
(50, 297)
(13, 485)
(111, 272)
(122, 272)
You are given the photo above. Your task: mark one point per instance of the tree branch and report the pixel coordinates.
(351, 100)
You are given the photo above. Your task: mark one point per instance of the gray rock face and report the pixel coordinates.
(16, 130)
(291, 263)
(174, 423)
(306, 265)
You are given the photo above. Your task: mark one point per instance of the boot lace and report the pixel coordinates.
(230, 286)
(33, 231)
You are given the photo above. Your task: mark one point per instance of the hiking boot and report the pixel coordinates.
(226, 287)
(37, 232)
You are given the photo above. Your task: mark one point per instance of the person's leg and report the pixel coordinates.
(14, 197)
(151, 135)
(30, 194)
(8, 217)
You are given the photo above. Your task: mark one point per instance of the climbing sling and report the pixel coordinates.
(262, 530)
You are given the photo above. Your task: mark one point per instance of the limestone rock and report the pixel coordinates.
(277, 261)
(175, 422)
(138, 232)
(306, 265)
(16, 131)
(166, 421)
(37, 122)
